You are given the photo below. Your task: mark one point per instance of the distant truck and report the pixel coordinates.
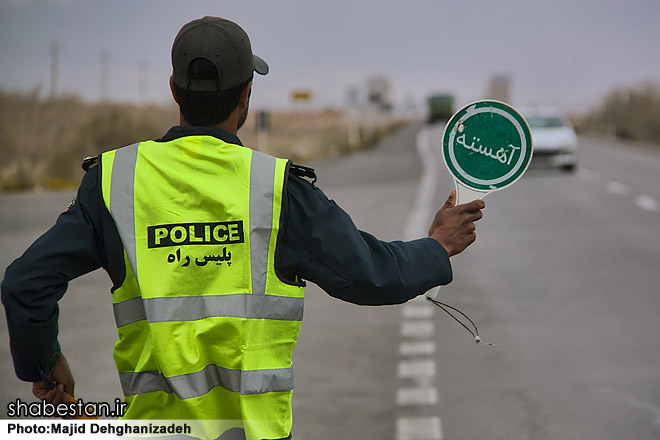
(441, 107)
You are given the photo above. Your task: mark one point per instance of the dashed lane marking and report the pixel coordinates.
(591, 176)
(416, 368)
(418, 428)
(416, 396)
(417, 311)
(643, 201)
(647, 203)
(419, 395)
(422, 348)
(417, 329)
(617, 188)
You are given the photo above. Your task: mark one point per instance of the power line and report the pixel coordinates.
(54, 52)
(143, 85)
(105, 59)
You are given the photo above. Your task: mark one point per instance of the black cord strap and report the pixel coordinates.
(475, 333)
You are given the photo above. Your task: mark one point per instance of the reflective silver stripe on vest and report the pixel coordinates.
(193, 308)
(122, 200)
(262, 177)
(255, 305)
(187, 386)
(129, 311)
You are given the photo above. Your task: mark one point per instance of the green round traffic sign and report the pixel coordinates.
(487, 146)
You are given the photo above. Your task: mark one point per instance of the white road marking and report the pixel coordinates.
(421, 213)
(417, 329)
(645, 406)
(617, 188)
(417, 348)
(417, 325)
(416, 396)
(416, 368)
(417, 311)
(643, 201)
(588, 175)
(647, 203)
(418, 428)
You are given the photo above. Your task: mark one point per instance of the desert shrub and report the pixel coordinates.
(629, 113)
(43, 141)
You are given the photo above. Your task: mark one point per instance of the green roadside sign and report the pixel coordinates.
(486, 147)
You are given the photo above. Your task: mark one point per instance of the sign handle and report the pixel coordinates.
(433, 293)
(466, 195)
(463, 195)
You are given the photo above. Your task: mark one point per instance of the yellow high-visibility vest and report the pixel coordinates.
(206, 327)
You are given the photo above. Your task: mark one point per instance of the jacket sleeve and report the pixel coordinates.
(322, 244)
(36, 281)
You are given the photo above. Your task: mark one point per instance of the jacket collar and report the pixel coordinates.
(179, 131)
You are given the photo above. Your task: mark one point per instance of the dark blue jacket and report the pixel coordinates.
(316, 237)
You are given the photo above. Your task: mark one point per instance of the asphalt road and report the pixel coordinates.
(563, 276)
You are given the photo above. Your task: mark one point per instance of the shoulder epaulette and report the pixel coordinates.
(304, 172)
(90, 162)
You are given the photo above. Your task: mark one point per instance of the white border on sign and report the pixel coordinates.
(471, 110)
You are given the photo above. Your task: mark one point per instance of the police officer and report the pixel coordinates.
(208, 244)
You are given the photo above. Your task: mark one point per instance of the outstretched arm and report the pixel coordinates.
(320, 243)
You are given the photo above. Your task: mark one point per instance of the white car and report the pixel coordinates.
(553, 136)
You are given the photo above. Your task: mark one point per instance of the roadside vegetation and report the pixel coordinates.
(631, 113)
(43, 141)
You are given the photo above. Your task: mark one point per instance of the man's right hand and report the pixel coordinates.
(453, 226)
(64, 384)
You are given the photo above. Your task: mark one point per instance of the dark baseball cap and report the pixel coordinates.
(222, 42)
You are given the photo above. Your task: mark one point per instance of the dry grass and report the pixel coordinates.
(628, 112)
(43, 141)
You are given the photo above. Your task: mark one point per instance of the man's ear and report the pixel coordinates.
(173, 88)
(245, 95)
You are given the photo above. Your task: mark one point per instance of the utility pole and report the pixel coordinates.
(263, 127)
(143, 85)
(353, 115)
(53, 68)
(104, 75)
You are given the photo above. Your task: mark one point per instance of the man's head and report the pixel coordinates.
(213, 66)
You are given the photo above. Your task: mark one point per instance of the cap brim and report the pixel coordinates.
(260, 66)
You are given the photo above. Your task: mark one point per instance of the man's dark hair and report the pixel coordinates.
(207, 108)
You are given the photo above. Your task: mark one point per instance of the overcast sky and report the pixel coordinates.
(561, 52)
